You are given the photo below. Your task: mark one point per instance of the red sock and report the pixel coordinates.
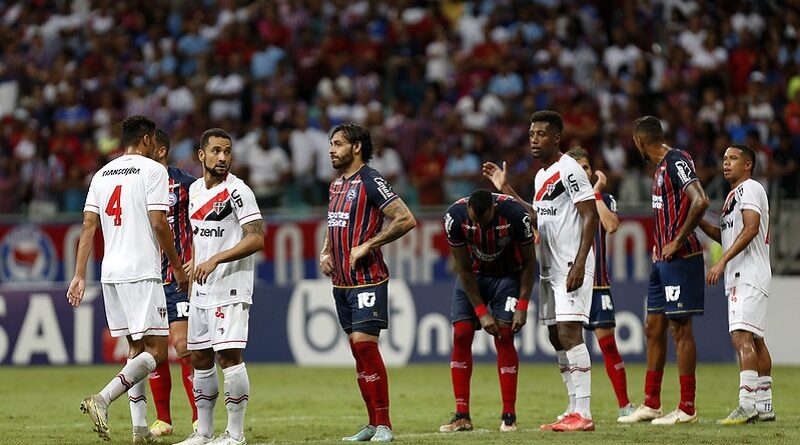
(161, 385)
(507, 366)
(652, 388)
(461, 363)
(362, 384)
(375, 379)
(688, 384)
(615, 368)
(187, 372)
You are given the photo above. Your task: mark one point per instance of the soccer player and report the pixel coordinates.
(675, 292)
(359, 199)
(177, 302)
(601, 316)
(128, 198)
(567, 222)
(491, 238)
(228, 230)
(744, 233)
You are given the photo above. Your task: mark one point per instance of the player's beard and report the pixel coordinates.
(344, 161)
(213, 170)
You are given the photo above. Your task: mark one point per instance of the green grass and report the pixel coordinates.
(319, 405)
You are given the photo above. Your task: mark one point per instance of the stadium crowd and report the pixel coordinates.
(443, 86)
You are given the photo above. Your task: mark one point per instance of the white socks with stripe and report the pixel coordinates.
(206, 390)
(136, 370)
(764, 394)
(138, 404)
(566, 376)
(748, 387)
(580, 366)
(237, 392)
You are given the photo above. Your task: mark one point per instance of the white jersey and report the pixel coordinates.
(751, 265)
(558, 189)
(122, 193)
(217, 215)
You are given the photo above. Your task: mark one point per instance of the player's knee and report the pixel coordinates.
(463, 333)
(681, 329)
(229, 357)
(202, 359)
(554, 339)
(181, 347)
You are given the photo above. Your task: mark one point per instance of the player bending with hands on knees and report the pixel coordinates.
(128, 199)
(567, 222)
(228, 230)
(743, 231)
(359, 199)
(491, 239)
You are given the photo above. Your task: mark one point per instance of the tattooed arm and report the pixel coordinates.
(401, 221)
(252, 241)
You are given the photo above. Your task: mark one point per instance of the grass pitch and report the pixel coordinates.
(319, 405)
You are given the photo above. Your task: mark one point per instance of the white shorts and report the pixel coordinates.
(137, 309)
(556, 305)
(220, 328)
(747, 309)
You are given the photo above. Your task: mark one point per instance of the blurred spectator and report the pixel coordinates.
(270, 169)
(462, 172)
(426, 173)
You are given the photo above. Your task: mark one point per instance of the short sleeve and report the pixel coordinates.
(611, 203)
(681, 170)
(244, 202)
(576, 182)
(452, 227)
(752, 197)
(521, 225)
(158, 189)
(378, 189)
(91, 204)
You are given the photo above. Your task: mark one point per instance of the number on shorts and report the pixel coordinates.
(511, 304)
(366, 299)
(673, 293)
(182, 308)
(606, 302)
(114, 206)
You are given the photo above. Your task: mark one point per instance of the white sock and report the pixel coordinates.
(206, 390)
(134, 371)
(581, 370)
(138, 403)
(237, 392)
(566, 376)
(748, 387)
(764, 394)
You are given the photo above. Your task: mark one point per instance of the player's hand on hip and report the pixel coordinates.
(188, 267)
(489, 324)
(77, 287)
(495, 174)
(575, 277)
(358, 252)
(715, 273)
(600, 185)
(519, 320)
(181, 279)
(326, 264)
(669, 251)
(202, 271)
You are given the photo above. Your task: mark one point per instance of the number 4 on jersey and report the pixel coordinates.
(114, 207)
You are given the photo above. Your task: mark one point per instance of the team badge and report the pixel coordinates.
(162, 312)
(660, 180)
(219, 206)
(351, 195)
(27, 255)
(173, 199)
(551, 188)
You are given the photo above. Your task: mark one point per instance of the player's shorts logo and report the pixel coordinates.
(27, 254)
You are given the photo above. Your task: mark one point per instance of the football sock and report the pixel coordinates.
(138, 403)
(581, 370)
(615, 368)
(187, 373)
(748, 387)
(206, 391)
(461, 363)
(161, 386)
(135, 370)
(764, 394)
(566, 376)
(362, 384)
(237, 392)
(507, 366)
(652, 388)
(375, 379)
(688, 385)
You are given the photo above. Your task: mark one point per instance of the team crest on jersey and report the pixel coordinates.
(351, 194)
(660, 180)
(219, 207)
(551, 188)
(27, 254)
(173, 199)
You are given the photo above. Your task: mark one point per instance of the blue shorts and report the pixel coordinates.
(677, 287)
(601, 314)
(499, 294)
(177, 303)
(363, 309)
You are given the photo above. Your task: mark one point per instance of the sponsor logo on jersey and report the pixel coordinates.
(528, 227)
(448, 223)
(684, 171)
(122, 171)
(384, 188)
(216, 232)
(547, 211)
(338, 219)
(27, 254)
(658, 202)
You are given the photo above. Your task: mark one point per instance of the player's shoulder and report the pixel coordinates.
(458, 208)
(367, 172)
(507, 203)
(179, 175)
(752, 187)
(676, 154)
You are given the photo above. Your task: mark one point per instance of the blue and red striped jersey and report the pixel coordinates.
(355, 214)
(602, 279)
(670, 202)
(494, 248)
(178, 219)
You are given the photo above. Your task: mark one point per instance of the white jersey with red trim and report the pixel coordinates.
(751, 265)
(122, 193)
(217, 215)
(557, 190)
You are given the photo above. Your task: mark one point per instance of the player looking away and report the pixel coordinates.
(491, 238)
(601, 316)
(177, 301)
(567, 222)
(228, 230)
(675, 292)
(359, 199)
(743, 231)
(128, 198)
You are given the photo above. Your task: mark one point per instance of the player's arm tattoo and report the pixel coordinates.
(698, 203)
(401, 221)
(253, 228)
